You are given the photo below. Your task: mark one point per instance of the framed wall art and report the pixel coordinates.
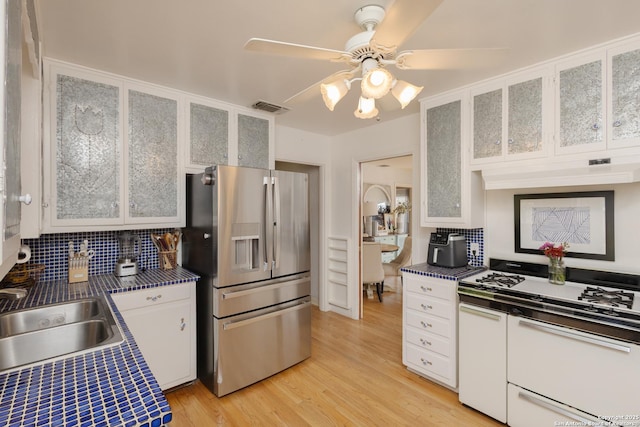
(584, 220)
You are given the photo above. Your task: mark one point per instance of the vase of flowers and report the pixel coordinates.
(557, 269)
(401, 211)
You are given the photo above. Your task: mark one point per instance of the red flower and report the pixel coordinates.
(553, 251)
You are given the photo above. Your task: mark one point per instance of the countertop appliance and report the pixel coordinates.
(538, 345)
(447, 250)
(129, 245)
(247, 236)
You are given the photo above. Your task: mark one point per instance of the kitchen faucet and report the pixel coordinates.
(13, 293)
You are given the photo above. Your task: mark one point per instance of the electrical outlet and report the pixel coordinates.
(475, 248)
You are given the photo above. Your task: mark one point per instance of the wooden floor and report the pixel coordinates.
(354, 377)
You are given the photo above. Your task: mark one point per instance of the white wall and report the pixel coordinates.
(385, 139)
(499, 231)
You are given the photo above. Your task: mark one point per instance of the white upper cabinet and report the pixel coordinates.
(223, 134)
(451, 194)
(111, 153)
(509, 118)
(580, 96)
(623, 85)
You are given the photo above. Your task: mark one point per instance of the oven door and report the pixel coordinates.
(595, 374)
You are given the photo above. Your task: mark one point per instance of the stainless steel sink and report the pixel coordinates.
(41, 333)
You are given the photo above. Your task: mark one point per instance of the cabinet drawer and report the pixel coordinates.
(148, 297)
(391, 240)
(430, 306)
(445, 291)
(428, 323)
(428, 341)
(427, 361)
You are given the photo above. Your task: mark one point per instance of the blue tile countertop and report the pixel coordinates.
(112, 386)
(456, 273)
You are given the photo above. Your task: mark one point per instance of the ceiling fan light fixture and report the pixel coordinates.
(366, 108)
(405, 92)
(333, 92)
(376, 83)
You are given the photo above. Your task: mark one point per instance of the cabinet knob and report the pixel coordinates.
(206, 236)
(595, 126)
(425, 289)
(617, 124)
(26, 199)
(425, 342)
(426, 307)
(425, 324)
(510, 141)
(182, 324)
(154, 299)
(498, 142)
(425, 361)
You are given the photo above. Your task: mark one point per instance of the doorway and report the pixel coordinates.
(384, 185)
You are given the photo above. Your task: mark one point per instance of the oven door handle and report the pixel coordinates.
(576, 337)
(553, 408)
(479, 313)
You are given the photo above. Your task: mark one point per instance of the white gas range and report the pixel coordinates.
(532, 353)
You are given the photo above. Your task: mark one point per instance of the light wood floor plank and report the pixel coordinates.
(354, 377)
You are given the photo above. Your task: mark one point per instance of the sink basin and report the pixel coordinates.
(40, 333)
(33, 319)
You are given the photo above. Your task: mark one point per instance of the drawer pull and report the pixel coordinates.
(154, 299)
(426, 307)
(425, 289)
(479, 313)
(425, 362)
(182, 324)
(425, 342)
(553, 408)
(425, 324)
(576, 337)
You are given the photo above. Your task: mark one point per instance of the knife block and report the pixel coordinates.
(78, 269)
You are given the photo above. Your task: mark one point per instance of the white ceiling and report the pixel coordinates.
(197, 45)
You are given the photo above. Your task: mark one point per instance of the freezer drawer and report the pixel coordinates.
(253, 346)
(242, 298)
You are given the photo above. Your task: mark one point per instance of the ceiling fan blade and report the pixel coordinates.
(314, 90)
(447, 59)
(401, 20)
(291, 49)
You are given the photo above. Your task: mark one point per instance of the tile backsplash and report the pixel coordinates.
(472, 235)
(52, 250)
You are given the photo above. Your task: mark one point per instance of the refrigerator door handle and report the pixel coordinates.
(276, 227)
(268, 224)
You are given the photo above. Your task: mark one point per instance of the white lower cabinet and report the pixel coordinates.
(163, 323)
(482, 341)
(429, 345)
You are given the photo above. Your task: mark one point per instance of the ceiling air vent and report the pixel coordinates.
(269, 107)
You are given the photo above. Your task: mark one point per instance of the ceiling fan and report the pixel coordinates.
(370, 52)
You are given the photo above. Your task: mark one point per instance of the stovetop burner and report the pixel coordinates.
(501, 279)
(611, 298)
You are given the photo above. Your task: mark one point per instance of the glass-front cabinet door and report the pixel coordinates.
(487, 124)
(254, 134)
(580, 105)
(442, 161)
(525, 125)
(152, 157)
(624, 90)
(208, 128)
(86, 162)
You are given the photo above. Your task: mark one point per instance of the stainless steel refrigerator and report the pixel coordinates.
(247, 236)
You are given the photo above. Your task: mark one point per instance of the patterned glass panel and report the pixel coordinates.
(253, 142)
(88, 149)
(12, 88)
(487, 124)
(525, 117)
(444, 175)
(625, 95)
(153, 154)
(581, 105)
(209, 135)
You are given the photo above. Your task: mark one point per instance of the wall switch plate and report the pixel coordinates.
(475, 248)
